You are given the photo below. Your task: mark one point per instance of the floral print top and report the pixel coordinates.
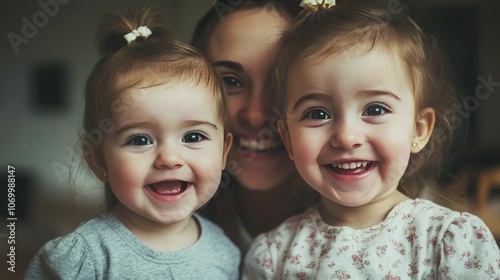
(417, 240)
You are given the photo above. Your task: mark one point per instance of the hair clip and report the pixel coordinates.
(142, 31)
(315, 4)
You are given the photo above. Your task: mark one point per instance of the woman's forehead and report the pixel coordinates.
(243, 29)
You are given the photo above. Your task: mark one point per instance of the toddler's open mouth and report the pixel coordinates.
(351, 168)
(169, 187)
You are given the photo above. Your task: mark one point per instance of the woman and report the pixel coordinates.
(262, 187)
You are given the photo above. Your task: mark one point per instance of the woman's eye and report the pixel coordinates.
(193, 137)
(231, 81)
(317, 114)
(376, 110)
(139, 140)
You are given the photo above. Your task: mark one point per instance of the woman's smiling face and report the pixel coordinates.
(243, 50)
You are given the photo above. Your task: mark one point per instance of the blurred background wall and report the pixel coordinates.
(47, 51)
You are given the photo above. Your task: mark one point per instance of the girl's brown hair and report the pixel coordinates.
(366, 25)
(144, 62)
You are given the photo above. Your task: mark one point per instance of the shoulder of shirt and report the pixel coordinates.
(210, 230)
(448, 218)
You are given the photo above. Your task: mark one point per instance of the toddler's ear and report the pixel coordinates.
(285, 136)
(423, 129)
(96, 162)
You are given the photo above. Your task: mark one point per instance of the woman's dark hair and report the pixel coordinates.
(221, 8)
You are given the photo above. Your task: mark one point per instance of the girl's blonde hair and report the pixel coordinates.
(144, 62)
(366, 25)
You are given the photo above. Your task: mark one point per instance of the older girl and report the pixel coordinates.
(366, 119)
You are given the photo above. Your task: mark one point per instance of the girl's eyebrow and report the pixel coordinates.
(229, 64)
(369, 93)
(190, 123)
(309, 96)
(131, 126)
(364, 93)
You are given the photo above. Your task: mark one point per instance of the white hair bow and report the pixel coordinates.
(142, 31)
(314, 4)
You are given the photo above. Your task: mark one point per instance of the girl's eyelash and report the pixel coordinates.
(382, 105)
(203, 135)
(369, 109)
(307, 113)
(387, 108)
(130, 140)
(324, 114)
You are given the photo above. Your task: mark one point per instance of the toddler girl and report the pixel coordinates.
(155, 131)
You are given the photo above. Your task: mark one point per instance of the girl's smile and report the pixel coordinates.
(348, 172)
(169, 187)
(168, 191)
(351, 168)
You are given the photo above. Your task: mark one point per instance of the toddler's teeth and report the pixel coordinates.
(351, 165)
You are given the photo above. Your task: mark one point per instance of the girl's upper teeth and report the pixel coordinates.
(350, 165)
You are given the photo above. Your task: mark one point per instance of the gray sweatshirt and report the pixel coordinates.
(103, 248)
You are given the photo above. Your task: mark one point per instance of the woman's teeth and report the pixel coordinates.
(351, 165)
(259, 145)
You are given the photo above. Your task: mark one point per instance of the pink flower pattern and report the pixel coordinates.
(417, 240)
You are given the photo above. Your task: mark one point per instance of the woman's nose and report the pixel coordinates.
(255, 111)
